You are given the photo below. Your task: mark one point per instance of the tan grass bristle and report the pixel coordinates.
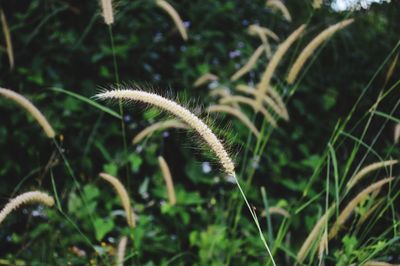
(164, 5)
(263, 34)
(123, 195)
(317, 4)
(392, 66)
(180, 112)
(7, 37)
(219, 92)
(166, 173)
(255, 29)
(162, 125)
(264, 84)
(314, 235)
(26, 198)
(378, 263)
(251, 103)
(107, 11)
(282, 112)
(249, 65)
(276, 210)
(368, 169)
(30, 108)
(278, 5)
(323, 244)
(121, 251)
(278, 99)
(205, 79)
(347, 211)
(396, 134)
(236, 113)
(312, 46)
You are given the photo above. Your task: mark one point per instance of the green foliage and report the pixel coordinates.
(342, 115)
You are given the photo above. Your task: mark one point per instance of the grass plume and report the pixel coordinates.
(121, 251)
(166, 173)
(251, 103)
(107, 11)
(7, 37)
(123, 195)
(279, 109)
(347, 211)
(162, 125)
(164, 5)
(236, 113)
(26, 198)
(315, 233)
(180, 112)
(30, 108)
(264, 84)
(368, 169)
(280, 6)
(249, 65)
(205, 79)
(312, 46)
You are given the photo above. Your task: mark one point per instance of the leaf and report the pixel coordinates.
(102, 227)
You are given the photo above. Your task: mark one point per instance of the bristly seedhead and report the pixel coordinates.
(25, 198)
(123, 195)
(175, 17)
(107, 11)
(180, 112)
(312, 46)
(30, 108)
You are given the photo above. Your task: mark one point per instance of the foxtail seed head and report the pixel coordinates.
(168, 180)
(107, 10)
(30, 108)
(272, 65)
(123, 195)
(164, 5)
(25, 198)
(180, 112)
(312, 46)
(250, 64)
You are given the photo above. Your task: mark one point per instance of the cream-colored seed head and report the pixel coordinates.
(121, 251)
(164, 5)
(396, 134)
(180, 112)
(252, 103)
(272, 65)
(278, 108)
(278, 5)
(312, 46)
(162, 125)
(30, 108)
(236, 113)
(368, 169)
(314, 235)
(378, 263)
(168, 180)
(123, 195)
(317, 4)
(26, 198)
(205, 79)
(347, 211)
(249, 65)
(7, 37)
(276, 210)
(255, 29)
(107, 10)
